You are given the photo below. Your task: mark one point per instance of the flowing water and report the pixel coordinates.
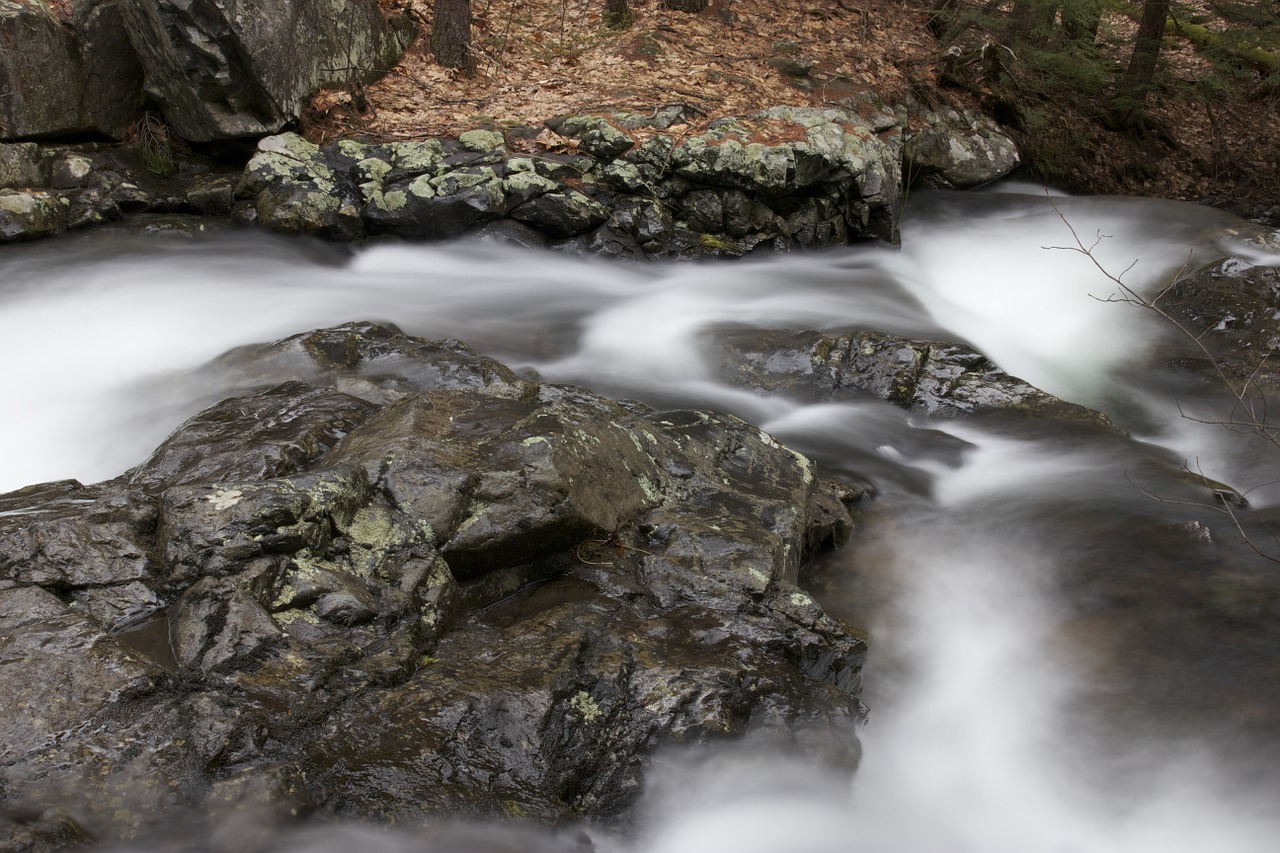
(1057, 665)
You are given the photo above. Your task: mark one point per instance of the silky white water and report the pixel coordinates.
(1011, 710)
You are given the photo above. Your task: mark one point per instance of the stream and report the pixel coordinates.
(1053, 668)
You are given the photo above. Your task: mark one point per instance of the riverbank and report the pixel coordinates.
(1210, 133)
(629, 185)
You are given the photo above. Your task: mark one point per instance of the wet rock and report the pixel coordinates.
(556, 584)
(216, 621)
(219, 530)
(66, 536)
(61, 672)
(242, 69)
(939, 379)
(373, 361)
(547, 706)
(260, 437)
(1230, 308)
(500, 480)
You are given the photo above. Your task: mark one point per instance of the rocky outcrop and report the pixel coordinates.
(71, 77)
(49, 189)
(614, 185)
(422, 587)
(785, 177)
(244, 68)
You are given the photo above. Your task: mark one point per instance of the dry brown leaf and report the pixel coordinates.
(555, 143)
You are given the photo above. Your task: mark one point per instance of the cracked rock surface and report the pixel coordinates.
(405, 582)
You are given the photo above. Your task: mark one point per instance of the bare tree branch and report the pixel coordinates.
(1248, 414)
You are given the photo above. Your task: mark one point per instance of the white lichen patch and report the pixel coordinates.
(223, 499)
(800, 599)
(585, 706)
(650, 489)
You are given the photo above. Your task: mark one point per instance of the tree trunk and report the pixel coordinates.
(451, 34)
(616, 14)
(1141, 74)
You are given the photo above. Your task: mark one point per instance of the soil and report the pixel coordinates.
(535, 59)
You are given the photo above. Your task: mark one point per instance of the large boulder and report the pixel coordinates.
(958, 150)
(66, 77)
(440, 590)
(245, 68)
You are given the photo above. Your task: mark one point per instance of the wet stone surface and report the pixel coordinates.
(407, 583)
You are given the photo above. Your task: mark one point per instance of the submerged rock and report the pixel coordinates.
(936, 378)
(1230, 309)
(429, 588)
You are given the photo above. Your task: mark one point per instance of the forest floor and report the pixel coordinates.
(535, 59)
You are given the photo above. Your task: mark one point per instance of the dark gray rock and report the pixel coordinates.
(113, 74)
(271, 434)
(937, 378)
(562, 214)
(64, 78)
(373, 361)
(596, 136)
(566, 730)
(1230, 309)
(20, 166)
(244, 69)
(39, 68)
(557, 584)
(503, 481)
(65, 536)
